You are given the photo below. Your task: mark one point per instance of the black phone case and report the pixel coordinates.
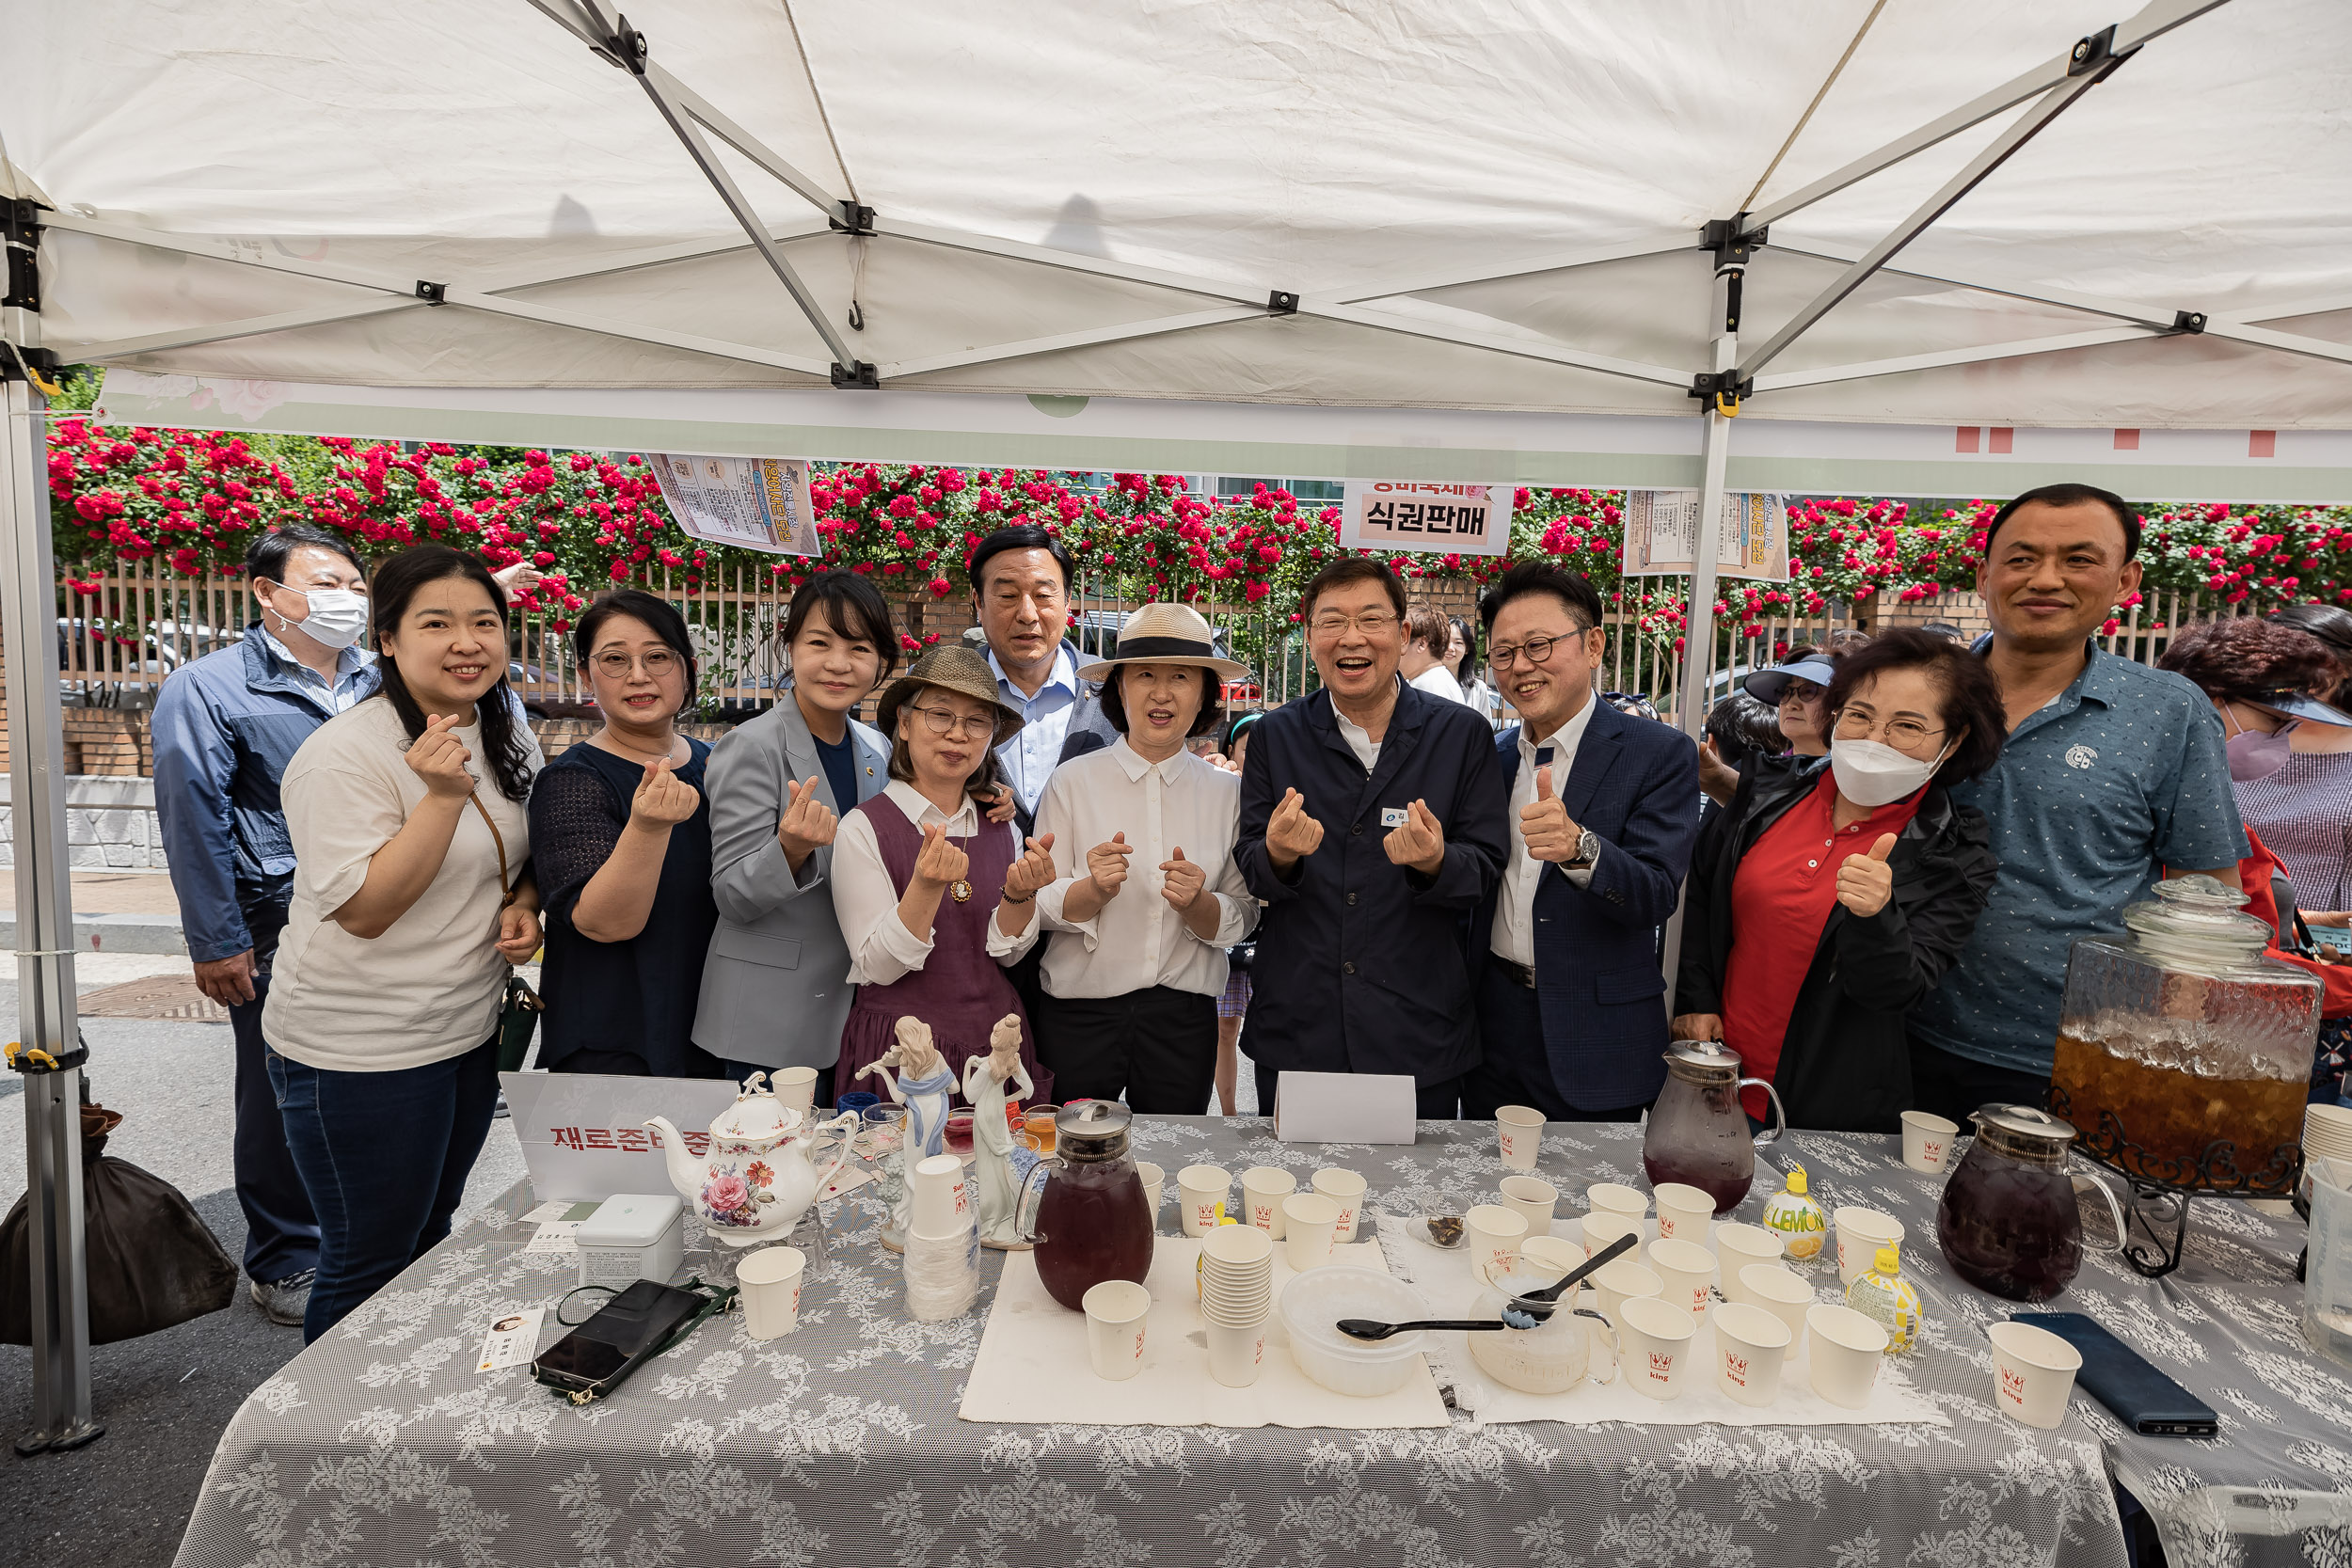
(636, 1321)
(2123, 1380)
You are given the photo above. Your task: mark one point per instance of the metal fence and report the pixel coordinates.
(121, 633)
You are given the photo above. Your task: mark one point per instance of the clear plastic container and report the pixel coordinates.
(1314, 1302)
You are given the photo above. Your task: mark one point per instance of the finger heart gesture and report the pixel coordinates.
(939, 861)
(1290, 834)
(1033, 870)
(663, 799)
(1108, 864)
(807, 824)
(1182, 880)
(1419, 845)
(440, 758)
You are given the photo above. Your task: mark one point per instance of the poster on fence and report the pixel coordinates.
(752, 504)
(1448, 519)
(1661, 534)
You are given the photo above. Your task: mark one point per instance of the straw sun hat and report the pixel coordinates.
(950, 667)
(1165, 634)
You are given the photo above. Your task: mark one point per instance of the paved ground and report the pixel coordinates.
(109, 893)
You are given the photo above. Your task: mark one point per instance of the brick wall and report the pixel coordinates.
(101, 742)
(1960, 608)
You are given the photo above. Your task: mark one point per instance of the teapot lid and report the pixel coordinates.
(2026, 1122)
(757, 1114)
(2197, 920)
(1091, 1130)
(1703, 1057)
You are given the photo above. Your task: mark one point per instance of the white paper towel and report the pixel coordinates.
(1444, 1279)
(1033, 1365)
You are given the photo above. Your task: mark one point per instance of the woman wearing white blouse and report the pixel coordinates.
(1147, 896)
(933, 899)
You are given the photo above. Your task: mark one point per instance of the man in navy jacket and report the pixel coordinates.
(1603, 812)
(1370, 824)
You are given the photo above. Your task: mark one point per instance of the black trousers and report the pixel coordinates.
(1431, 1101)
(1157, 1047)
(281, 1235)
(1516, 1070)
(1954, 1087)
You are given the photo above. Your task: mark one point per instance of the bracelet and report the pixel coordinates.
(1006, 895)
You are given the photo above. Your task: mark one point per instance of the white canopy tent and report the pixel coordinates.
(1551, 243)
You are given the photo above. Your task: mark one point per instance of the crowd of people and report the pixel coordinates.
(1882, 851)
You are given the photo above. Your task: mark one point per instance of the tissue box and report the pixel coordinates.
(633, 1235)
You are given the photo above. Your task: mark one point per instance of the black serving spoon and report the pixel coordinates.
(1369, 1329)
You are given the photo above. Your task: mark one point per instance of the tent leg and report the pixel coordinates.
(44, 930)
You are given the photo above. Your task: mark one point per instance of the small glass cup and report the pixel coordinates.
(958, 1135)
(1040, 1121)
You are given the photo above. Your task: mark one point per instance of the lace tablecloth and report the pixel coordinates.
(838, 1444)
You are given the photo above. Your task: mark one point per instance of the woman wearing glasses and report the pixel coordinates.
(935, 900)
(1830, 897)
(620, 834)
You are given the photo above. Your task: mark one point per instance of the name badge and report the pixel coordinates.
(1393, 816)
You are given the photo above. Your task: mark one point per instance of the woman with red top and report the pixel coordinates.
(2266, 679)
(1830, 896)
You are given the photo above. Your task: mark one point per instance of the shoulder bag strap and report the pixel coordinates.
(506, 892)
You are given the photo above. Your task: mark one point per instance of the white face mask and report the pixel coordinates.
(337, 617)
(1872, 773)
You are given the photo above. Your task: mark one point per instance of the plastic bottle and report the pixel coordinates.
(1883, 1294)
(1792, 1215)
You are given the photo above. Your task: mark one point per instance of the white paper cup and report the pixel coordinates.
(1847, 1349)
(1784, 1294)
(1520, 1131)
(767, 1285)
(1553, 1252)
(2033, 1373)
(1621, 1281)
(1750, 1346)
(1532, 1198)
(1684, 1212)
(1860, 1234)
(1263, 1190)
(795, 1086)
(1654, 1346)
(1603, 1228)
(1687, 1272)
(1493, 1233)
(1237, 1354)
(942, 1206)
(1738, 1247)
(1614, 1197)
(1346, 1189)
(1154, 1181)
(1203, 1188)
(1928, 1140)
(1115, 1310)
(1310, 1220)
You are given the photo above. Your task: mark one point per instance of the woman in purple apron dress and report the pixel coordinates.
(935, 900)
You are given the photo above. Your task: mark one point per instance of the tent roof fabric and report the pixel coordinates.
(1121, 187)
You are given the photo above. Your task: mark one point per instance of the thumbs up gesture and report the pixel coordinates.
(1865, 882)
(1107, 864)
(1544, 823)
(1181, 880)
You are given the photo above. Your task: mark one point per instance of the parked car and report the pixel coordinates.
(543, 694)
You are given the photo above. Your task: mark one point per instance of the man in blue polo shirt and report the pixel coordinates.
(2113, 775)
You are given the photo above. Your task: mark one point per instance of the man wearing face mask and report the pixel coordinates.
(224, 727)
(2113, 776)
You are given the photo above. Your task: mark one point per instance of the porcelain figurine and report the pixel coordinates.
(1002, 1165)
(754, 1180)
(916, 1077)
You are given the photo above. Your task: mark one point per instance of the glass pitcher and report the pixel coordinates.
(2006, 1222)
(1697, 1132)
(1083, 1206)
(2189, 1036)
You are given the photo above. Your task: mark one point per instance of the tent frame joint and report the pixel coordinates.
(2092, 53)
(1722, 391)
(626, 50)
(2189, 321)
(432, 294)
(37, 365)
(857, 375)
(853, 218)
(1723, 234)
(1280, 302)
(19, 231)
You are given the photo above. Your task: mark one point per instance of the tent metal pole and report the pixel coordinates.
(1998, 152)
(44, 934)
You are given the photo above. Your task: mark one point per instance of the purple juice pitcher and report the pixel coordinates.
(1698, 1135)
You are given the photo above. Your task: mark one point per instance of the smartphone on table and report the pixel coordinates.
(622, 1332)
(2126, 1381)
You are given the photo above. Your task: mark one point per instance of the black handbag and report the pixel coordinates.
(1239, 956)
(519, 1015)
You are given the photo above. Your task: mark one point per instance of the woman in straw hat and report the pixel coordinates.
(935, 900)
(1147, 897)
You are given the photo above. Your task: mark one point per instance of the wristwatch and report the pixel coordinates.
(1587, 849)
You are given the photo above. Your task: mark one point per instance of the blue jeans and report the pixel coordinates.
(280, 1236)
(384, 1157)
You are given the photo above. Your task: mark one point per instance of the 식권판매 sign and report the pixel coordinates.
(1444, 519)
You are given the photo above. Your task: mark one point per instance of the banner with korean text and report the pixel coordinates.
(1661, 534)
(1444, 519)
(753, 503)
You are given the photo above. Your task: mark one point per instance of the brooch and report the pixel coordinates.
(959, 890)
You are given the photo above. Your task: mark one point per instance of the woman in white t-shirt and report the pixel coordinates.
(382, 1017)
(1426, 631)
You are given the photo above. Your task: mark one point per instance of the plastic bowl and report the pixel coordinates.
(1314, 1302)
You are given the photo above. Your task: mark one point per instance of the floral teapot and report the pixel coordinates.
(757, 1180)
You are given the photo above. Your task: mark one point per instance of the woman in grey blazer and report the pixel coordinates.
(775, 988)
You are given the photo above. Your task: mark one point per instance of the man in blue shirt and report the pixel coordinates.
(2113, 775)
(1021, 588)
(225, 728)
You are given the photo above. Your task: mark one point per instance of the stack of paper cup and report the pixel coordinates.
(943, 1250)
(1236, 1291)
(2327, 1132)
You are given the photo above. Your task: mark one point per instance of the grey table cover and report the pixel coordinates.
(839, 1444)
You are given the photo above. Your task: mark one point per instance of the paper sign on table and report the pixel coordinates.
(849, 1179)
(559, 1209)
(584, 1134)
(512, 1339)
(1345, 1108)
(555, 1236)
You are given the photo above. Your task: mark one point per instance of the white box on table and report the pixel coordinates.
(1345, 1108)
(633, 1235)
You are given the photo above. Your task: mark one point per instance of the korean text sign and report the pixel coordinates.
(1444, 519)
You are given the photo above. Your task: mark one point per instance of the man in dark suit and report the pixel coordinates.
(1603, 811)
(1370, 824)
